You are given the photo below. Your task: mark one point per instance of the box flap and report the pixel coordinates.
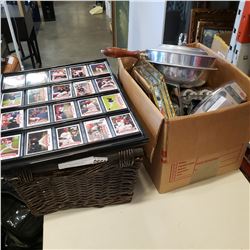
(142, 105)
(226, 72)
(225, 36)
(198, 135)
(219, 45)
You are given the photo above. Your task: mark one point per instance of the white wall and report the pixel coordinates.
(108, 8)
(146, 24)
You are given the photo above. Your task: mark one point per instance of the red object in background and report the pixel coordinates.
(243, 35)
(245, 166)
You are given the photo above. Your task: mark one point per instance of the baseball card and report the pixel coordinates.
(89, 106)
(64, 111)
(37, 78)
(113, 102)
(61, 91)
(39, 141)
(37, 95)
(38, 116)
(10, 147)
(97, 130)
(83, 88)
(78, 71)
(105, 84)
(123, 124)
(11, 82)
(99, 69)
(12, 99)
(68, 136)
(12, 120)
(59, 74)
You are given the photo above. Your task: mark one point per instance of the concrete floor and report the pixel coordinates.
(75, 36)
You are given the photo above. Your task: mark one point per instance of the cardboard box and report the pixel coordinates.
(12, 64)
(221, 42)
(186, 149)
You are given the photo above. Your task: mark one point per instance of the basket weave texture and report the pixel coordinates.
(98, 185)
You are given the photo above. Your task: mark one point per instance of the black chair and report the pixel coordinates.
(25, 32)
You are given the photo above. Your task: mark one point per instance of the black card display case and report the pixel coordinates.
(64, 113)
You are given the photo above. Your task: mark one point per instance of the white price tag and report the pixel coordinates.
(10, 60)
(82, 162)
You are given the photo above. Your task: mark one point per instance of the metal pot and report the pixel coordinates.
(180, 58)
(182, 49)
(186, 77)
(187, 66)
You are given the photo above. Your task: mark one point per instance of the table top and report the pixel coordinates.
(14, 11)
(211, 214)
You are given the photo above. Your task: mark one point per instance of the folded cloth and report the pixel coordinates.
(96, 10)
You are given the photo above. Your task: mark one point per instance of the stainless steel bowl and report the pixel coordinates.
(187, 77)
(181, 64)
(185, 65)
(180, 58)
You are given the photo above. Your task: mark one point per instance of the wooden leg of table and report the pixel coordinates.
(37, 49)
(31, 54)
(34, 50)
(21, 49)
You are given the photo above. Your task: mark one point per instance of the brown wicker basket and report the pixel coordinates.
(107, 183)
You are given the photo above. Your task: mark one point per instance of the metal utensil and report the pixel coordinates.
(187, 77)
(187, 66)
(171, 55)
(182, 49)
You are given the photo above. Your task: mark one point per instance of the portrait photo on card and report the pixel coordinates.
(113, 102)
(10, 147)
(38, 115)
(39, 141)
(78, 71)
(12, 99)
(37, 78)
(11, 82)
(37, 95)
(123, 124)
(61, 91)
(83, 88)
(105, 84)
(59, 74)
(97, 130)
(12, 120)
(89, 106)
(68, 136)
(99, 69)
(64, 111)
